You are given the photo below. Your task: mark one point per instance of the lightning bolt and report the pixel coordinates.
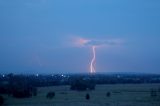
(92, 64)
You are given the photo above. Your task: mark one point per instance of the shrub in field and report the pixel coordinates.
(87, 96)
(50, 95)
(1, 100)
(108, 94)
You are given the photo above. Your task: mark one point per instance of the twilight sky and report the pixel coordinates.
(55, 36)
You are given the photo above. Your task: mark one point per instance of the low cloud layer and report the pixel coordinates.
(84, 42)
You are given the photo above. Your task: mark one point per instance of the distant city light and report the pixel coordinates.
(3, 75)
(37, 75)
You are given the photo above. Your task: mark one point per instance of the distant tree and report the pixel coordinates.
(22, 93)
(1, 100)
(10, 75)
(80, 84)
(159, 89)
(34, 91)
(108, 94)
(91, 84)
(87, 96)
(153, 93)
(50, 95)
(3, 90)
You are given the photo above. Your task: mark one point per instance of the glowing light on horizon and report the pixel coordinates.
(92, 64)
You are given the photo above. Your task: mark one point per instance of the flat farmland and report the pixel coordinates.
(120, 95)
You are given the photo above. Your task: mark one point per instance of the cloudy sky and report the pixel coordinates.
(56, 36)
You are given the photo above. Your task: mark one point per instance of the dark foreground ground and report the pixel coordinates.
(120, 95)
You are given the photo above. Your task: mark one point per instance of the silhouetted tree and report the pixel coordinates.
(34, 91)
(1, 100)
(153, 93)
(87, 96)
(22, 93)
(108, 94)
(78, 85)
(159, 89)
(50, 95)
(81, 84)
(158, 92)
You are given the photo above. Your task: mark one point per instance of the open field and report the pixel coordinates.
(121, 95)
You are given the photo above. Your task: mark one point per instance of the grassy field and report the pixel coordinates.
(121, 95)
